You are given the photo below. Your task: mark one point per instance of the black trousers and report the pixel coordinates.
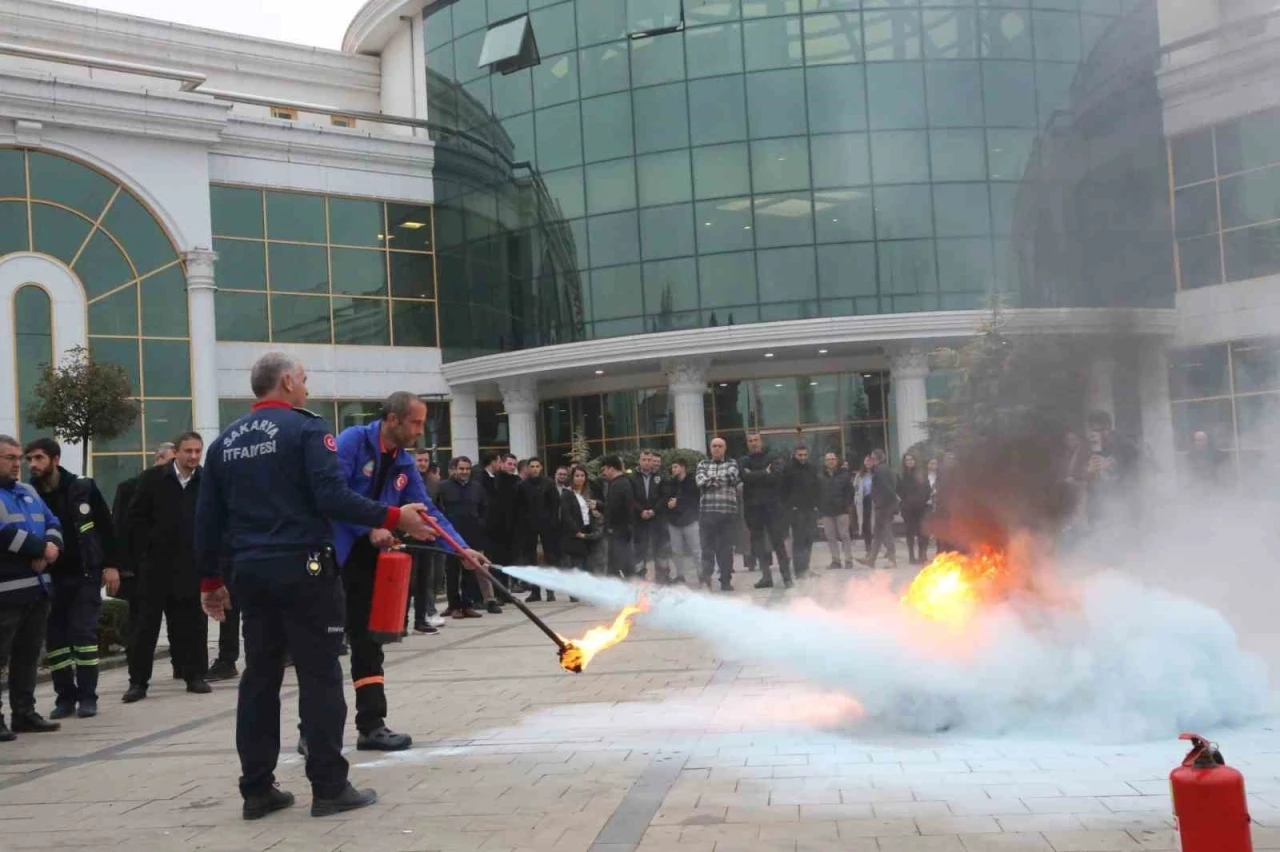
(768, 528)
(461, 588)
(72, 638)
(366, 653)
(188, 633)
(913, 522)
(22, 631)
(287, 611)
(422, 587)
(653, 543)
(804, 524)
(622, 555)
(868, 532)
(717, 531)
(528, 550)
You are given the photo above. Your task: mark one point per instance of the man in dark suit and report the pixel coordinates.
(120, 521)
(162, 541)
(538, 521)
(651, 540)
(619, 502)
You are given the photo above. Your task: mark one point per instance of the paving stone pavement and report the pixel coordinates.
(657, 747)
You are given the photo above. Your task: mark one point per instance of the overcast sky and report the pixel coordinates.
(315, 22)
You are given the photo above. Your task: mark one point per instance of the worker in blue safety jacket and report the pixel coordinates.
(272, 489)
(30, 540)
(375, 461)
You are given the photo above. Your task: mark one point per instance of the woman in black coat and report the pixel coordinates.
(913, 496)
(579, 520)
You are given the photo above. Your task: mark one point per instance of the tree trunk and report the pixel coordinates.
(86, 466)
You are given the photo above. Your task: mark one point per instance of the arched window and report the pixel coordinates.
(134, 282)
(33, 348)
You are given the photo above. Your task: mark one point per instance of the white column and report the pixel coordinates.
(687, 384)
(201, 300)
(908, 369)
(1157, 412)
(464, 432)
(520, 398)
(1101, 390)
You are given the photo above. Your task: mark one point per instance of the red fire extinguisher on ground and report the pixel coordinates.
(390, 596)
(1210, 810)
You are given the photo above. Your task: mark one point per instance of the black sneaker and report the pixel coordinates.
(275, 799)
(349, 799)
(6, 735)
(63, 711)
(534, 597)
(135, 693)
(88, 709)
(764, 584)
(551, 597)
(493, 607)
(222, 670)
(199, 686)
(383, 739)
(33, 723)
(426, 629)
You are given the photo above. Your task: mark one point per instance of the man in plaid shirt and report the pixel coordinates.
(717, 479)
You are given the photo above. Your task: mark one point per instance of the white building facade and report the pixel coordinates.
(180, 201)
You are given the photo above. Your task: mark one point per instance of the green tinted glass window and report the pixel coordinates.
(837, 98)
(717, 110)
(359, 272)
(353, 222)
(1249, 198)
(908, 266)
(611, 186)
(33, 348)
(724, 225)
(1009, 92)
(300, 319)
(787, 274)
(958, 154)
(361, 321)
(840, 159)
(414, 323)
(670, 285)
(116, 314)
(298, 269)
(775, 103)
(166, 417)
(1248, 142)
(559, 134)
(555, 81)
(617, 292)
(615, 238)
(122, 353)
(664, 178)
(236, 212)
(896, 95)
(891, 35)
(604, 68)
(659, 59)
(412, 275)
(242, 316)
(847, 270)
(101, 265)
(410, 227)
(1057, 36)
(661, 118)
(140, 234)
(295, 217)
(607, 121)
(13, 173)
(68, 183)
(951, 34)
(772, 43)
(900, 156)
(604, 20)
(1193, 157)
(831, 39)
(164, 303)
(720, 170)
(166, 367)
(779, 164)
(726, 280)
(14, 235)
(965, 265)
(955, 94)
(715, 50)
(842, 215)
(903, 212)
(667, 231)
(554, 29)
(242, 264)
(785, 219)
(59, 232)
(1006, 34)
(961, 209)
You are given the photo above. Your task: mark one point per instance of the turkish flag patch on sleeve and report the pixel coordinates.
(401, 482)
(330, 444)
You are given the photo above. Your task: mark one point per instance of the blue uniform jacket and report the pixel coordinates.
(272, 488)
(27, 524)
(359, 449)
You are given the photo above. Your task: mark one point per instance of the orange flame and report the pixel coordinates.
(582, 651)
(952, 587)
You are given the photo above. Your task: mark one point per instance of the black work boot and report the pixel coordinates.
(198, 686)
(6, 735)
(349, 799)
(222, 670)
(135, 692)
(275, 799)
(383, 739)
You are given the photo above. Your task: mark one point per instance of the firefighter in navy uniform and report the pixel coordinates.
(271, 487)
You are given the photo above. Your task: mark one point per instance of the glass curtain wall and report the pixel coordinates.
(720, 162)
(133, 279)
(299, 268)
(1227, 200)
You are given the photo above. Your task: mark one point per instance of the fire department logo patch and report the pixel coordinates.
(330, 444)
(368, 468)
(401, 482)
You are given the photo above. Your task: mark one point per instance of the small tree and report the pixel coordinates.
(579, 450)
(82, 401)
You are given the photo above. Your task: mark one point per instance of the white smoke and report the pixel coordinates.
(1118, 661)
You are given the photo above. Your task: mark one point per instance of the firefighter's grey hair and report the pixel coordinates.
(268, 370)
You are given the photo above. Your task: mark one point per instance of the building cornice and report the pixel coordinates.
(935, 327)
(90, 105)
(79, 29)
(374, 24)
(329, 147)
(1208, 88)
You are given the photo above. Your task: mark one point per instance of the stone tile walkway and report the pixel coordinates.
(657, 746)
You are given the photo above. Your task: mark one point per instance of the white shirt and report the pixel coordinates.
(177, 471)
(584, 508)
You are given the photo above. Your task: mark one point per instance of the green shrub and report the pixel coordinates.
(113, 625)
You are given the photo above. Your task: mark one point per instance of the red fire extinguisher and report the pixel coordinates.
(390, 596)
(1210, 810)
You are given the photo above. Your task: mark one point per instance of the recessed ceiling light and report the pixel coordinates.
(599, 372)
(413, 226)
(813, 384)
(768, 354)
(778, 385)
(724, 384)
(822, 351)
